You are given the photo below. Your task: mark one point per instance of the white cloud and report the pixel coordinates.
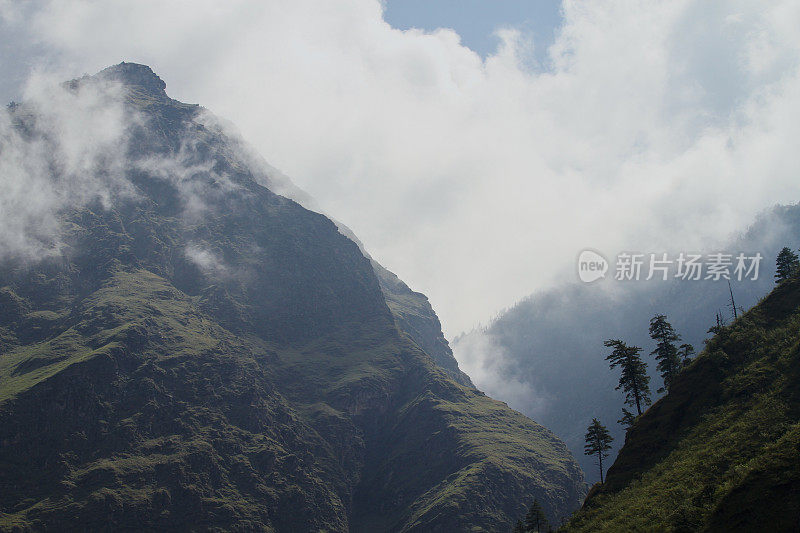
(487, 363)
(660, 124)
(66, 147)
(68, 152)
(191, 176)
(206, 260)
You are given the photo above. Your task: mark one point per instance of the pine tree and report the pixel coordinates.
(598, 442)
(786, 265)
(518, 527)
(627, 419)
(666, 352)
(634, 379)
(685, 353)
(535, 520)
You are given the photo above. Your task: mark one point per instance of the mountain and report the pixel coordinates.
(720, 451)
(182, 347)
(550, 345)
(414, 316)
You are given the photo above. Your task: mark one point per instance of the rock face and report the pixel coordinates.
(415, 317)
(135, 75)
(720, 451)
(196, 351)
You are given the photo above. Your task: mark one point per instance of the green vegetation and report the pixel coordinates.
(685, 354)
(720, 451)
(786, 264)
(415, 317)
(535, 520)
(633, 379)
(138, 420)
(627, 419)
(666, 353)
(598, 442)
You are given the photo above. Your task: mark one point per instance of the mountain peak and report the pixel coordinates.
(134, 74)
(206, 319)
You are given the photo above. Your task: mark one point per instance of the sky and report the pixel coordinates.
(474, 147)
(476, 21)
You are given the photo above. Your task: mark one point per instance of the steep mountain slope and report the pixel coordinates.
(182, 347)
(415, 317)
(551, 343)
(719, 452)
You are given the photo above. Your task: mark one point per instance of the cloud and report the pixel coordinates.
(67, 146)
(487, 362)
(478, 181)
(192, 175)
(262, 172)
(206, 260)
(62, 149)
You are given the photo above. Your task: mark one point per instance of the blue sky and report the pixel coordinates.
(476, 20)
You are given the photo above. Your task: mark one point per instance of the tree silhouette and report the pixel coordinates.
(733, 302)
(786, 264)
(627, 419)
(518, 527)
(666, 352)
(598, 442)
(633, 379)
(685, 353)
(535, 520)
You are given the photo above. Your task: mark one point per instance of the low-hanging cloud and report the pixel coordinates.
(487, 362)
(209, 262)
(193, 176)
(63, 148)
(67, 145)
(656, 125)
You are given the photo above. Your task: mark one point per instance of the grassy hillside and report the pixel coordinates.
(144, 413)
(721, 452)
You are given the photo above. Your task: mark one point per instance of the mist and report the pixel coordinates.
(71, 145)
(477, 179)
(63, 148)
